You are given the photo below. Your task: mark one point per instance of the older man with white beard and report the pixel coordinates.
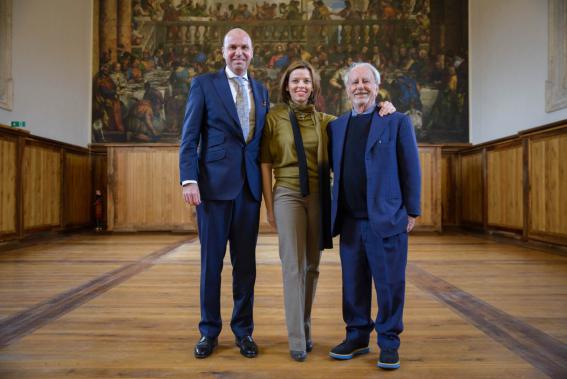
(376, 199)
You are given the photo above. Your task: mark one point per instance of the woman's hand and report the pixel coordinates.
(386, 108)
(271, 219)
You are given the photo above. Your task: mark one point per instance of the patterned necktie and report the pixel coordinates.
(243, 105)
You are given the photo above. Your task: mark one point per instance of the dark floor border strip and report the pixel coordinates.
(34, 240)
(94, 242)
(541, 350)
(460, 262)
(19, 325)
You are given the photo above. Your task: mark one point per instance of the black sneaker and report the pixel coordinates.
(389, 360)
(348, 349)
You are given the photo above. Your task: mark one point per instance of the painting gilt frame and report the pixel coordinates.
(6, 83)
(556, 85)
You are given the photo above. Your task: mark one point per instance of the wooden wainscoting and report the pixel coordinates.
(517, 184)
(100, 175)
(144, 191)
(450, 183)
(9, 194)
(42, 186)
(547, 184)
(46, 185)
(471, 187)
(430, 160)
(77, 189)
(504, 186)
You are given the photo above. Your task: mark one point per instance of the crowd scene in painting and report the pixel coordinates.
(168, 10)
(141, 95)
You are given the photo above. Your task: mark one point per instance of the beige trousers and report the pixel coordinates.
(297, 219)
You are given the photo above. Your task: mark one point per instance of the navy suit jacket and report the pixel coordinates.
(393, 173)
(213, 150)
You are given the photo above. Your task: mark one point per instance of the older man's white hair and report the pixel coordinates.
(362, 64)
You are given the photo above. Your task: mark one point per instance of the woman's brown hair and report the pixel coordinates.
(316, 81)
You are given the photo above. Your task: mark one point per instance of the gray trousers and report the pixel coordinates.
(297, 219)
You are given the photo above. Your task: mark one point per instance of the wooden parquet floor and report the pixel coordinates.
(127, 306)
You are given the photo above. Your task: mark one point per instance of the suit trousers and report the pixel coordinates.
(234, 221)
(365, 255)
(298, 223)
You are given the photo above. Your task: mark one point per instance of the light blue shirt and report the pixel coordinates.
(355, 113)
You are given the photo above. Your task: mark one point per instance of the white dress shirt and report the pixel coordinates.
(234, 86)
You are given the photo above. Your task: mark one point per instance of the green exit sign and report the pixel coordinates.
(18, 124)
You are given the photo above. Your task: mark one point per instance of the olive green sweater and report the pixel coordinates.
(278, 145)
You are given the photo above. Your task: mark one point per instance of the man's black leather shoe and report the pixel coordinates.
(205, 347)
(247, 346)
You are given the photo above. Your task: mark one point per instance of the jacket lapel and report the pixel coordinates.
(259, 104)
(341, 125)
(377, 129)
(220, 82)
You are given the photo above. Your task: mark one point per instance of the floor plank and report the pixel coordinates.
(145, 326)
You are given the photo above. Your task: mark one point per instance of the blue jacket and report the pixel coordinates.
(213, 150)
(393, 173)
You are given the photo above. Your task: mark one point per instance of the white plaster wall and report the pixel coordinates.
(508, 49)
(51, 67)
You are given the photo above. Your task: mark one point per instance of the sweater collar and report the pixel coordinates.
(301, 108)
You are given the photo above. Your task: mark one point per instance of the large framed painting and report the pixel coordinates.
(146, 52)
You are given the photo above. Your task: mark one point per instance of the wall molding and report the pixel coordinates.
(556, 85)
(6, 82)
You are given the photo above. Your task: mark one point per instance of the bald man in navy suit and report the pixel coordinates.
(220, 175)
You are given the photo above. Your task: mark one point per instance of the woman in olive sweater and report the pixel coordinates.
(298, 205)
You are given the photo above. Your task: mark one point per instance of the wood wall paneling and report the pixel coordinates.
(504, 185)
(99, 176)
(471, 187)
(548, 186)
(449, 188)
(144, 191)
(8, 185)
(42, 186)
(77, 199)
(430, 160)
(516, 183)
